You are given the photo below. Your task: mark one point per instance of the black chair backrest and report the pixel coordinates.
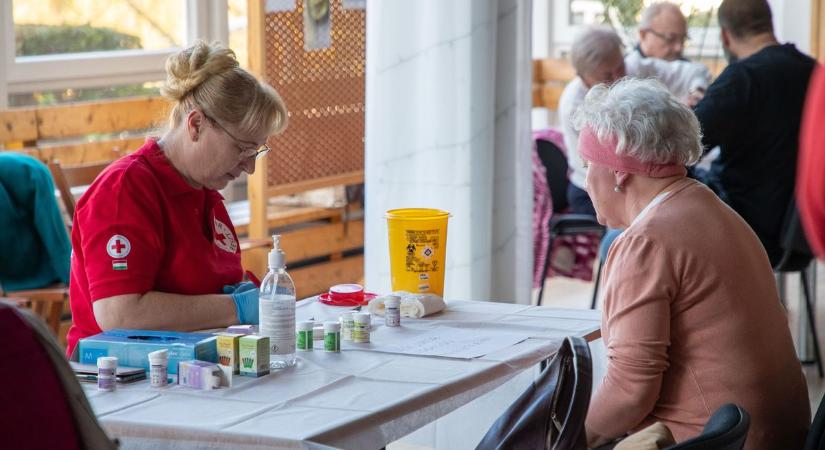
(726, 429)
(555, 165)
(816, 434)
(797, 253)
(551, 412)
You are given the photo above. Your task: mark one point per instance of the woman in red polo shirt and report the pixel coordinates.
(153, 246)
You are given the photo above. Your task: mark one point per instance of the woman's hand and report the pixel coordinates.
(246, 302)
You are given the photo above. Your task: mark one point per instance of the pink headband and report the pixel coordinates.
(605, 154)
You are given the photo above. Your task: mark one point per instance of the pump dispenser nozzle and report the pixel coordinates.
(277, 258)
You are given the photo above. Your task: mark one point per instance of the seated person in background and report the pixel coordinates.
(662, 32)
(597, 58)
(753, 112)
(153, 243)
(33, 237)
(691, 317)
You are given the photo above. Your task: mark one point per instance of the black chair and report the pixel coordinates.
(816, 434)
(726, 429)
(796, 257)
(551, 412)
(561, 224)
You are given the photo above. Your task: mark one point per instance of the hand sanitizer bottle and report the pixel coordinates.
(277, 309)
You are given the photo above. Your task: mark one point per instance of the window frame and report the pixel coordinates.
(204, 19)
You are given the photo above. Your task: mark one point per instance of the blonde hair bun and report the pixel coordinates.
(188, 69)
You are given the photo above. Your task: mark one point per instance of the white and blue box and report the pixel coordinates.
(131, 347)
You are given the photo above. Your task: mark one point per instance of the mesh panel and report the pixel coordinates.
(323, 91)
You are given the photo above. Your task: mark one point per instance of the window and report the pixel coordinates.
(64, 50)
(559, 21)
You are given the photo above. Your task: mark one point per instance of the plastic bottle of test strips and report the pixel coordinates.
(392, 311)
(159, 368)
(304, 340)
(361, 328)
(346, 326)
(277, 309)
(106, 369)
(332, 336)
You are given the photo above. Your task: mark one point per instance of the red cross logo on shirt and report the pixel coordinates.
(118, 246)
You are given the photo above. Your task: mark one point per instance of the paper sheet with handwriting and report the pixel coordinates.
(452, 343)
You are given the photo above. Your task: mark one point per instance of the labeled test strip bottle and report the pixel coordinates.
(304, 340)
(332, 336)
(158, 368)
(346, 326)
(361, 329)
(106, 369)
(392, 311)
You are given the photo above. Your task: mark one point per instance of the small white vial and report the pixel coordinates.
(346, 326)
(361, 328)
(106, 369)
(392, 311)
(159, 368)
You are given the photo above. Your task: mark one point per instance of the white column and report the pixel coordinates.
(435, 121)
(792, 22)
(512, 268)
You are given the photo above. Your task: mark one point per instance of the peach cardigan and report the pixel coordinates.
(692, 321)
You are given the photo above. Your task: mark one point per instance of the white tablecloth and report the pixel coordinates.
(354, 399)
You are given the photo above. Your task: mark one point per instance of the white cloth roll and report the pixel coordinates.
(414, 306)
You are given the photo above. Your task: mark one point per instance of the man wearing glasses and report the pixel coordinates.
(662, 32)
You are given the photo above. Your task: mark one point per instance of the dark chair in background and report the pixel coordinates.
(816, 434)
(797, 257)
(561, 223)
(551, 412)
(726, 429)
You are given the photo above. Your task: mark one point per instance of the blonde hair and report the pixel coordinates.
(208, 77)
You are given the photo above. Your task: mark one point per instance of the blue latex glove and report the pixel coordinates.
(237, 288)
(246, 304)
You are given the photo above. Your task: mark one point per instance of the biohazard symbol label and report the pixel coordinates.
(421, 247)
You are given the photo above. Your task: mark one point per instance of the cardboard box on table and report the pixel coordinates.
(131, 347)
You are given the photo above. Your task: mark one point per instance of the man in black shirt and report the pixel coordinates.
(752, 112)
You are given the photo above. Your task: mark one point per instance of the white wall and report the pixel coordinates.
(792, 22)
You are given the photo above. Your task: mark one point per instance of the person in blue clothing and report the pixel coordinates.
(36, 247)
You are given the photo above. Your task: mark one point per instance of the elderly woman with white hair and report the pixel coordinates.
(691, 318)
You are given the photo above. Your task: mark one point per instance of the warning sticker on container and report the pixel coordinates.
(421, 247)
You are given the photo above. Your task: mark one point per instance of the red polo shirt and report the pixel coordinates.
(140, 227)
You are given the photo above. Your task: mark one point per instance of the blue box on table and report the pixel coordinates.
(131, 347)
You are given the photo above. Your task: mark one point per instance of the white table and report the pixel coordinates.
(354, 399)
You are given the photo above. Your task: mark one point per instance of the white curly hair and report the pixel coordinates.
(648, 122)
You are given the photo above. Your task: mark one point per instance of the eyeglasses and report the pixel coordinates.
(246, 153)
(670, 39)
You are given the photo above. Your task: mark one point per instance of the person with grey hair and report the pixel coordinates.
(663, 32)
(597, 58)
(691, 317)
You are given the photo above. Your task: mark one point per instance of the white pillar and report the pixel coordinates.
(792, 22)
(512, 268)
(436, 121)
